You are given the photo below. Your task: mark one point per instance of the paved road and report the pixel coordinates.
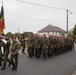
(63, 64)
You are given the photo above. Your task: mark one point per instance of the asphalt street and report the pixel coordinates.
(64, 64)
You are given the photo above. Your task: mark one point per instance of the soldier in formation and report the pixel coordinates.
(38, 46)
(30, 43)
(45, 44)
(1, 44)
(49, 46)
(7, 48)
(14, 54)
(23, 44)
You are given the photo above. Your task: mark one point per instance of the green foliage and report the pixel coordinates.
(16, 34)
(10, 34)
(71, 35)
(24, 34)
(74, 31)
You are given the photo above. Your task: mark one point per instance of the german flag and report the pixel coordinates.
(2, 21)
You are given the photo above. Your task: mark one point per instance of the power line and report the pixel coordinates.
(40, 5)
(46, 6)
(16, 15)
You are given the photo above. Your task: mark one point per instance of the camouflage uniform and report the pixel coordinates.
(37, 44)
(23, 44)
(1, 44)
(14, 54)
(45, 43)
(50, 47)
(6, 53)
(30, 43)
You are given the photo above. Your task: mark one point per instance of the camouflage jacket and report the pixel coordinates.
(37, 42)
(45, 43)
(15, 47)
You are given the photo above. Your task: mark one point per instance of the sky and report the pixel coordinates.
(24, 17)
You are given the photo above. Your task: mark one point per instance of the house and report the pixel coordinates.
(28, 33)
(52, 30)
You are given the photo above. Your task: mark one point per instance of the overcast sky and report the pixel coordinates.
(32, 18)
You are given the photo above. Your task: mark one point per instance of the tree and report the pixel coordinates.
(23, 34)
(17, 34)
(74, 31)
(10, 34)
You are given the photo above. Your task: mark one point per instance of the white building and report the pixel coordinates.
(52, 30)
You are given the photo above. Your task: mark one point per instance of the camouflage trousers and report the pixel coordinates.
(0, 58)
(5, 58)
(14, 60)
(30, 51)
(45, 52)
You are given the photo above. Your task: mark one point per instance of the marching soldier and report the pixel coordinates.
(37, 44)
(14, 54)
(1, 44)
(45, 43)
(50, 46)
(23, 44)
(30, 43)
(6, 51)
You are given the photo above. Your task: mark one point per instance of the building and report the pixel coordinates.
(52, 30)
(28, 33)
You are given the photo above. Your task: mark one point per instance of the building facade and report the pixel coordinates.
(52, 30)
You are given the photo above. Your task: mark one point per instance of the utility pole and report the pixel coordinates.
(67, 22)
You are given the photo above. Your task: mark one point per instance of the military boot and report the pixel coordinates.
(3, 68)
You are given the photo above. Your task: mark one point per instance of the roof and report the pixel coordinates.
(28, 33)
(51, 28)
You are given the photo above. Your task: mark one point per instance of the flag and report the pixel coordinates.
(2, 17)
(2, 20)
